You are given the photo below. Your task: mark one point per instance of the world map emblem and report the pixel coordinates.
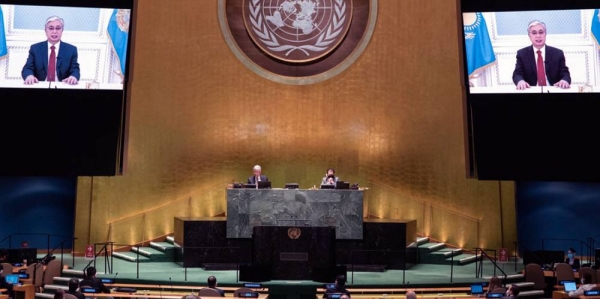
(297, 41)
(297, 31)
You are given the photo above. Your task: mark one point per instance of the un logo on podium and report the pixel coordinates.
(294, 233)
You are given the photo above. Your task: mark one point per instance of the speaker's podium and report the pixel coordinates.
(292, 253)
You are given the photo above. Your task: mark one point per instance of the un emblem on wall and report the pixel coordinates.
(297, 30)
(297, 41)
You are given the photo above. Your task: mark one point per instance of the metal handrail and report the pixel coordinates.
(49, 237)
(592, 248)
(583, 246)
(137, 260)
(97, 253)
(479, 269)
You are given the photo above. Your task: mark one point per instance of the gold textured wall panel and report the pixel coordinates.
(392, 122)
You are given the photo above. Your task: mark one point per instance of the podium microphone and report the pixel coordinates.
(171, 284)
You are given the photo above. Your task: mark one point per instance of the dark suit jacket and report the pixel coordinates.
(222, 292)
(526, 68)
(37, 62)
(576, 263)
(7, 286)
(95, 283)
(263, 178)
(79, 295)
(336, 290)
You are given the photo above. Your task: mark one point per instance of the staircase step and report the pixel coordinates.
(515, 277)
(525, 285)
(464, 259)
(531, 293)
(442, 256)
(432, 246)
(63, 280)
(447, 252)
(72, 273)
(422, 240)
(44, 296)
(147, 251)
(453, 252)
(162, 246)
(170, 239)
(131, 257)
(52, 288)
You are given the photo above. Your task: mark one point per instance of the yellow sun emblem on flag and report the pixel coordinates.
(123, 17)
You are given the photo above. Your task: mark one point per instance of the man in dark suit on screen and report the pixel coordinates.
(52, 60)
(540, 64)
(257, 177)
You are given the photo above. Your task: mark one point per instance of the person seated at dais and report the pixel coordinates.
(329, 178)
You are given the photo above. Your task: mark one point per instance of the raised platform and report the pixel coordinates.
(386, 244)
(170, 281)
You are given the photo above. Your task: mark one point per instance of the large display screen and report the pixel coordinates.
(90, 46)
(537, 51)
(64, 77)
(531, 74)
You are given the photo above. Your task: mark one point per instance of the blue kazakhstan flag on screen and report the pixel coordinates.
(3, 49)
(478, 45)
(596, 25)
(118, 31)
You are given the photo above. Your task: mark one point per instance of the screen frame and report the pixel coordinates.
(113, 160)
(10, 278)
(479, 154)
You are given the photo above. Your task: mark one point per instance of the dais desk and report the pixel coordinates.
(247, 208)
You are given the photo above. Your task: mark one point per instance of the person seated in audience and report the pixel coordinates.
(494, 284)
(212, 284)
(572, 260)
(411, 295)
(513, 291)
(92, 281)
(74, 288)
(344, 297)
(59, 294)
(340, 283)
(4, 284)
